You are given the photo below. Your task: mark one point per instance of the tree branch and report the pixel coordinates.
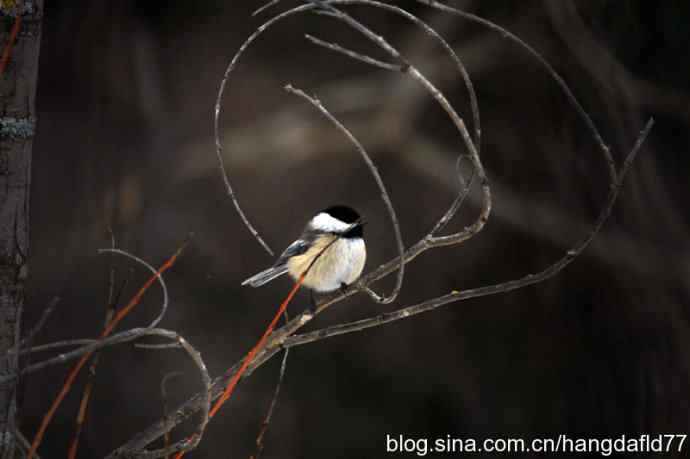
(283, 337)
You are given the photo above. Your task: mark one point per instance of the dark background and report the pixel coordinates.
(125, 105)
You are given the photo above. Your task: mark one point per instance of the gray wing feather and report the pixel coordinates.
(257, 280)
(280, 267)
(296, 248)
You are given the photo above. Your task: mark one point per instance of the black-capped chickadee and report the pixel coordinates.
(334, 235)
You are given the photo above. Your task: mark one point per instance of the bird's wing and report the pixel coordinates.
(296, 248)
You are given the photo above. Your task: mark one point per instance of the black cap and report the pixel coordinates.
(347, 215)
(343, 213)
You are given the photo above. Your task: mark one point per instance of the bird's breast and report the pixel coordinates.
(341, 262)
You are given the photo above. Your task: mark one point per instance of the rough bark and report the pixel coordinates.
(17, 120)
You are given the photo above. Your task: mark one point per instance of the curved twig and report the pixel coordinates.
(191, 443)
(455, 296)
(95, 345)
(265, 7)
(266, 25)
(549, 69)
(219, 155)
(405, 67)
(465, 187)
(74, 371)
(164, 306)
(87, 394)
(282, 337)
(474, 150)
(382, 188)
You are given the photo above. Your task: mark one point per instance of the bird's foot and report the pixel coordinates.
(343, 287)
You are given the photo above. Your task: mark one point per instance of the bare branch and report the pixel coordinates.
(114, 339)
(549, 69)
(41, 322)
(265, 7)
(274, 401)
(430, 242)
(465, 187)
(156, 346)
(219, 152)
(283, 337)
(56, 345)
(164, 307)
(382, 188)
(407, 68)
(354, 55)
(381, 42)
(82, 412)
(205, 398)
(24, 444)
(455, 296)
(95, 345)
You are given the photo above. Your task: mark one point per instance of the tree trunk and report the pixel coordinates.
(17, 119)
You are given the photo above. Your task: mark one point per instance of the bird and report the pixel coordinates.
(331, 250)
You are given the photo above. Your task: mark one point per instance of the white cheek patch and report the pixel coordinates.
(326, 223)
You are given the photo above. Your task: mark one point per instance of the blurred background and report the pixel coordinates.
(125, 108)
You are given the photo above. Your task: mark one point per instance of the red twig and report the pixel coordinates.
(10, 44)
(113, 300)
(81, 416)
(269, 414)
(250, 356)
(233, 382)
(80, 364)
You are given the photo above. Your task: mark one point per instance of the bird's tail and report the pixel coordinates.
(257, 280)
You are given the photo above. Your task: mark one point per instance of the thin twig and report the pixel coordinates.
(185, 444)
(464, 235)
(156, 276)
(55, 345)
(156, 346)
(82, 412)
(221, 164)
(233, 382)
(7, 51)
(465, 187)
(458, 237)
(265, 7)
(90, 346)
(354, 55)
(274, 401)
(227, 393)
(108, 329)
(229, 389)
(543, 62)
(281, 337)
(164, 401)
(29, 338)
(438, 96)
(455, 296)
(24, 444)
(379, 182)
